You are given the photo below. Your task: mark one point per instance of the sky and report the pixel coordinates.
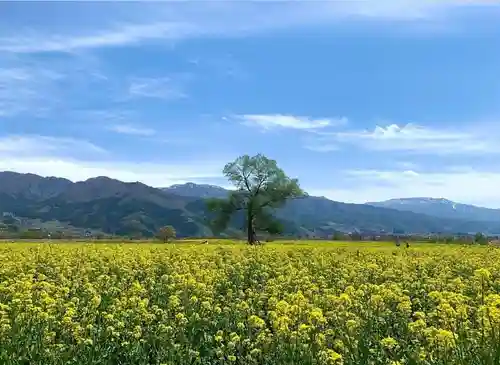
(360, 100)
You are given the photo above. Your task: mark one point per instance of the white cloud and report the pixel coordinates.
(162, 88)
(417, 139)
(462, 185)
(173, 21)
(26, 90)
(270, 121)
(406, 165)
(322, 147)
(34, 86)
(406, 10)
(79, 160)
(157, 175)
(132, 130)
(36, 145)
(116, 36)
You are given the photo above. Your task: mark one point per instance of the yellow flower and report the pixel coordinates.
(352, 325)
(225, 300)
(330, 357)
(389, 343)
(256, 322)
(483, 274)
(88, 342)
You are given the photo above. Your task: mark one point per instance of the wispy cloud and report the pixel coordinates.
(465, 185)
(115, 36)
(132, 130)
(404, 10)
(322, 147)
(26, 90)
(50, 156)
(174, 21)
(37, 145)
(79, 159)
(416, 139)
(158, 175)
(37, 86)
(105, 116)
(168, 88)
(272, 121)
(224, 65)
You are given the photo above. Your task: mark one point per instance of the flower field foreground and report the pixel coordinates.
(232, 304)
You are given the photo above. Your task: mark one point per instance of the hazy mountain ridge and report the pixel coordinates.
(442, 208)
(137, 209)
(197, 190)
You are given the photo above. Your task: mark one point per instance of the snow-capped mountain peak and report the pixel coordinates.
(441, 207)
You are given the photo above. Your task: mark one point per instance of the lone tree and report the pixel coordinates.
(261, 186)
(480, 239)
(167, 233)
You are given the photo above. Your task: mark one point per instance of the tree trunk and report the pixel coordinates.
(250, 230)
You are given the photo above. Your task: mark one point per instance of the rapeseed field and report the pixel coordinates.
(232, 304)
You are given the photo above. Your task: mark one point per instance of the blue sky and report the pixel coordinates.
(361, 100)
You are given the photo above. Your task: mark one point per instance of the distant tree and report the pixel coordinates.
(355, 236)
(32, 234)
(136, 236)
(338, 236)
(13, 228)
(167, 233)
(261, 186)
(480, 239)
(57, 234)
(9, 220)
(448, 239)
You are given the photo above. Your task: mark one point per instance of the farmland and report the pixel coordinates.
(228, 303)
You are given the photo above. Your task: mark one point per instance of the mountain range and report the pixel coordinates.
(440, 207)
(136, 209)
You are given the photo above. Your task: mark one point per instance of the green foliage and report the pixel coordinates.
(316, 303)
(118, 208)
(355, 236)
(480, 239)
(261, 186)
(224, 209)
(338, 236)
(9, 220)
(33, 234)
(167, 233)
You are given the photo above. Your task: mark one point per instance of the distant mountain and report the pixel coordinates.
(442, 208)
(136, 209)
(197, 190)
(323, 216)
(31, 186)
(102, 203)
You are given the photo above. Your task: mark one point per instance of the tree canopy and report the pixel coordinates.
(261, 186)
(167, 233)
(480, 238)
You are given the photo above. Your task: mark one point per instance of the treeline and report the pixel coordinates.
(10, 231)
(34, 234)
(478, 238)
